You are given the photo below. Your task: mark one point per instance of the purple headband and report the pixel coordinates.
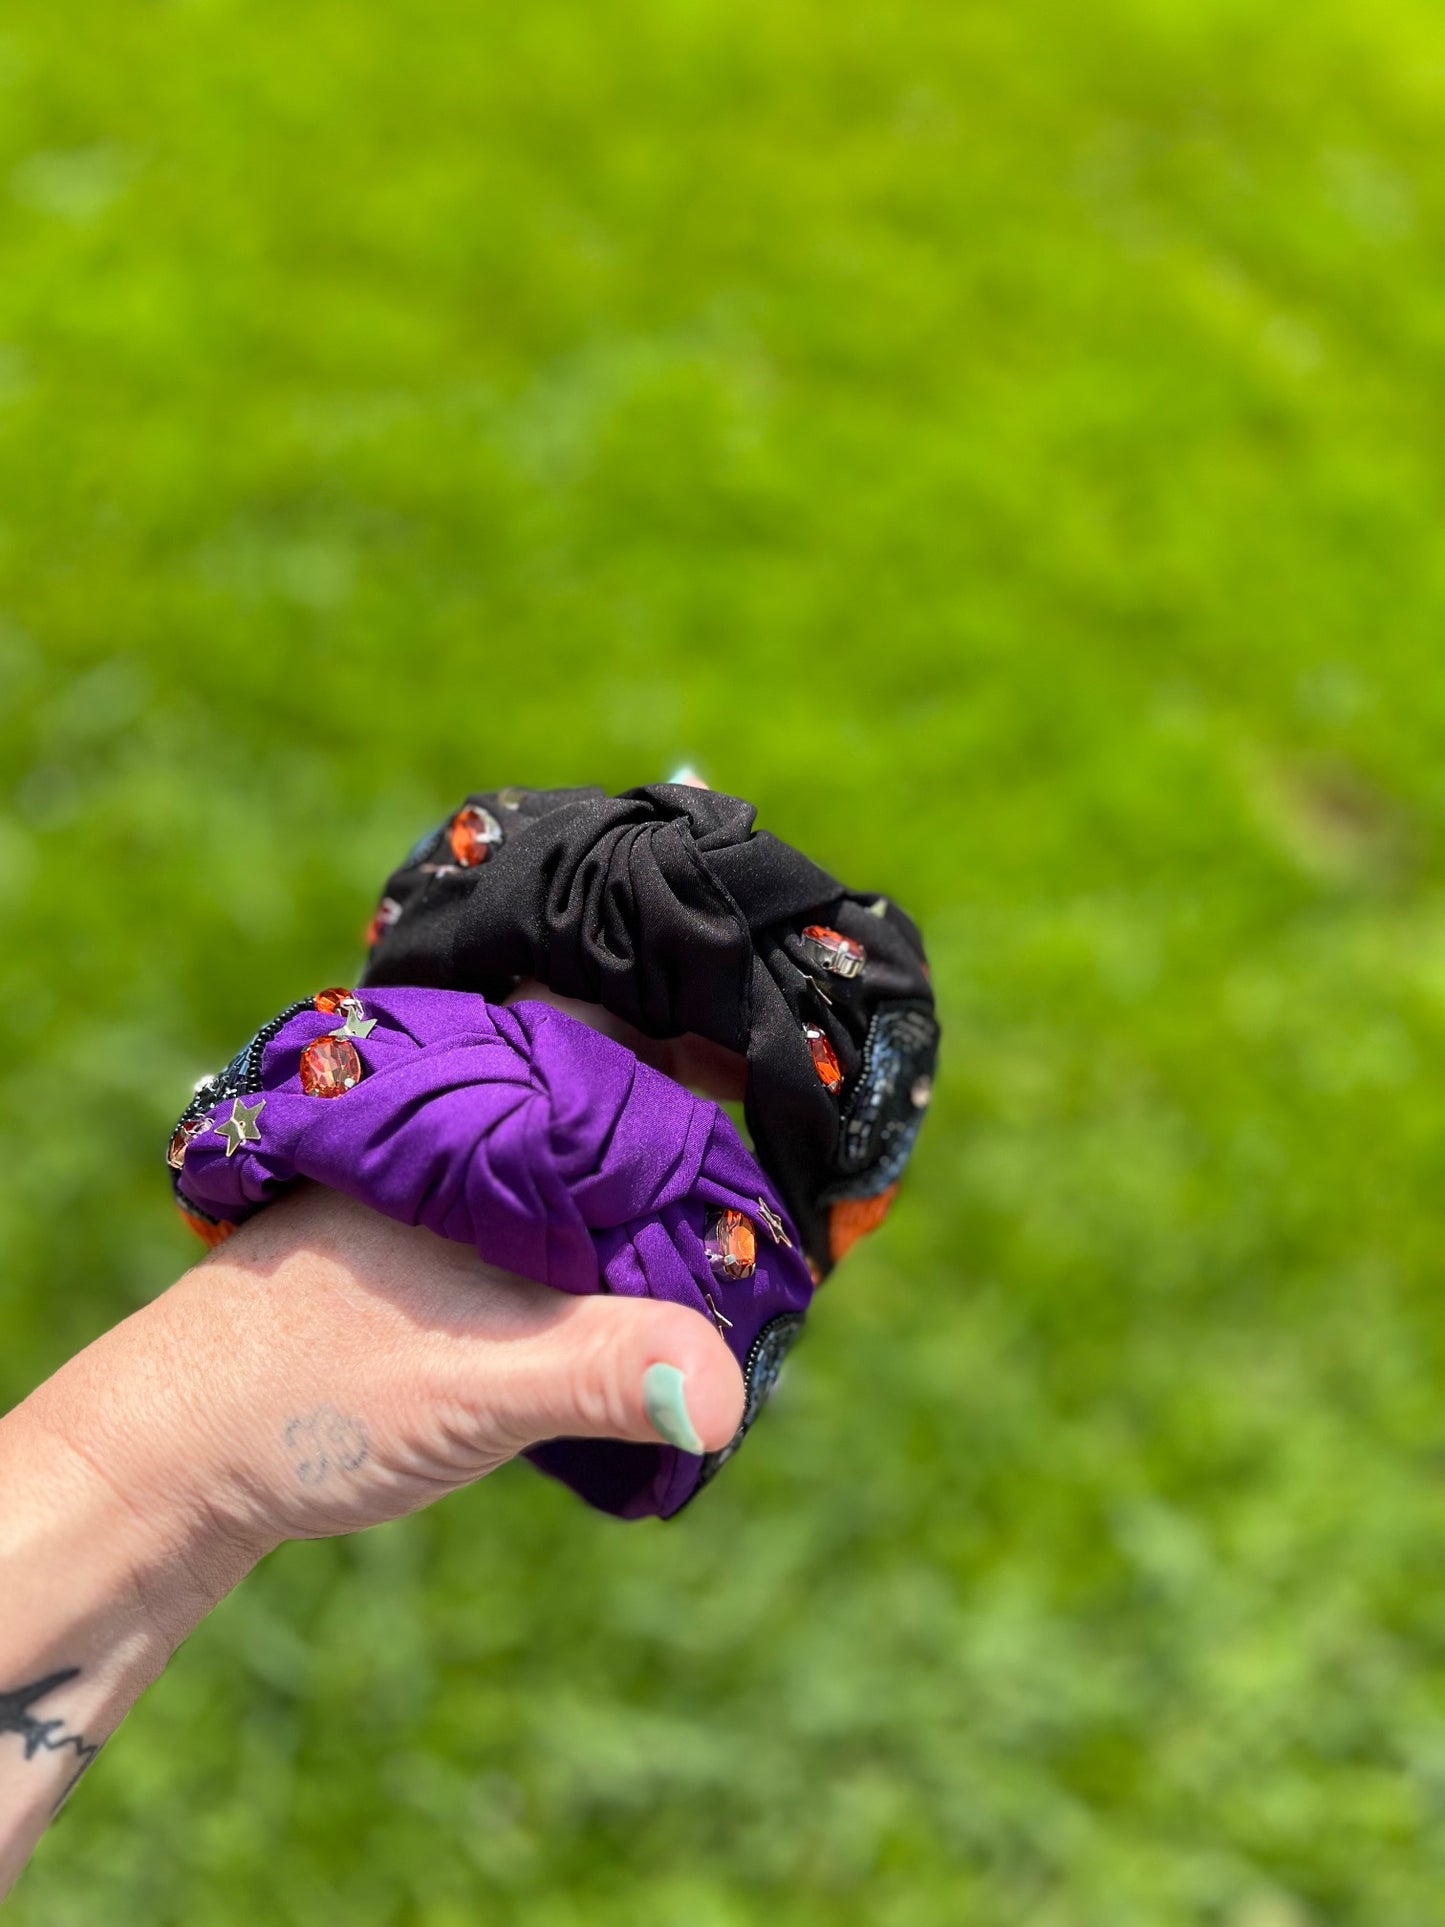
(532, 1137)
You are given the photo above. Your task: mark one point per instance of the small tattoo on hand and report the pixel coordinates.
(323, 1442)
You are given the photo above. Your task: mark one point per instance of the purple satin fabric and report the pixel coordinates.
(547, 1147)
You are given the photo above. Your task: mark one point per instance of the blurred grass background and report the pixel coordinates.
(1006, 444)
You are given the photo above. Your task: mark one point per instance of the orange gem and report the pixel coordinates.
(383, 917)
(853, 1218)
(473, 832)
(209, 1231)
(825, 1058)
(732, 1244)
(833, 950)
(328, 1002)
(329, 1067)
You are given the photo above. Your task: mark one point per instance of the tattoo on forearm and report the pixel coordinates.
(49, 1735)
(324, 1441)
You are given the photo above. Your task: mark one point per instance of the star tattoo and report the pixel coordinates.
(240, 1127)
(774, 1223)
(356, 1023)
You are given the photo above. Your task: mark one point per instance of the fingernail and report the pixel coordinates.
(665, 1402)
(687, 774)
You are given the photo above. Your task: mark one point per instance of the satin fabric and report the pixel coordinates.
(668, 908)
(547, 1147)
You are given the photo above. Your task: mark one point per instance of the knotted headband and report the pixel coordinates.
(666, 907)
(528, 1135)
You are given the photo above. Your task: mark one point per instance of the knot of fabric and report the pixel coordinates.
(665, 906)
(547, 1147)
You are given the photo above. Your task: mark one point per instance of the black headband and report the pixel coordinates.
(664, 906)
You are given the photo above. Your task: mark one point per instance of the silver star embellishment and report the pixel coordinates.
(240, 1127)
(355, 1024)
(774, 1223)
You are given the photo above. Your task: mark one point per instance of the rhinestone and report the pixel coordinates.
(472, 834)
(328, 1002)
(181, 1138)
(833, 951)
(383, 917)
(920, 1093)
(853, 1218)
(512, 798)
(329, 1067)
(825, 1058)
(732, 1244)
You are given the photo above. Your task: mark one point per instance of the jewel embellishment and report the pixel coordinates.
(732, 1244)
(473, 834)
(825, 1058)
(831, 950)
(348, 1006)
(180, 1141)
(240, 1127)
(920, 1093)
(777, 1230)
(355, 1023)
(329, 1066)
(383, 917)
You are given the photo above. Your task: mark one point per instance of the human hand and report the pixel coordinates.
(324, 1370)
(327, 1369)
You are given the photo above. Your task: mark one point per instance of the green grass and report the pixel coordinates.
(1005, 442)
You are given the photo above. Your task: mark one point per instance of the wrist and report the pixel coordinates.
(109, 1468)
(96, 1596)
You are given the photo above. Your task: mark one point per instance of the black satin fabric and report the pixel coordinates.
(666, 906)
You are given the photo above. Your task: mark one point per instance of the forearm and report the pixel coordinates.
(96, 1592)
(325, 1370)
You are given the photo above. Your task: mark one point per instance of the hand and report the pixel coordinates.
(327, 1369)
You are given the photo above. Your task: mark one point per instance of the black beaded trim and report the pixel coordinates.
(760, 1375)
(241, 1077)
(881, 1121)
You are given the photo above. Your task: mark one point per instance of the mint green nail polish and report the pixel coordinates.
(665, 1403)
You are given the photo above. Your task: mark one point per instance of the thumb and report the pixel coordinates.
(624, 1368)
